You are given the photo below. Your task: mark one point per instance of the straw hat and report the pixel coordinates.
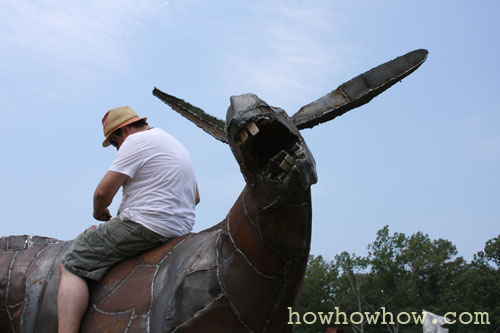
(117, 118)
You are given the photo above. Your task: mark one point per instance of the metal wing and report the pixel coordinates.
(359, 90)
(210, 124)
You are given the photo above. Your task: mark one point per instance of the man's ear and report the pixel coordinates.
(125, 131)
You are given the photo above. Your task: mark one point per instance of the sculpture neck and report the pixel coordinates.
(284, 221)
(272, 236)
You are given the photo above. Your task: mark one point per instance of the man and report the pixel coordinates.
(158, 203)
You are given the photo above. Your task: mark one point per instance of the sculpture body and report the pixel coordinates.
(240, 275)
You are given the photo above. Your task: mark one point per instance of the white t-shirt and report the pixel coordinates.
(160, 193)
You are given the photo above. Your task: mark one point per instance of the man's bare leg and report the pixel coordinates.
(72, 301)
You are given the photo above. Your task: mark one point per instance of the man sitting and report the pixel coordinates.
(158, 203)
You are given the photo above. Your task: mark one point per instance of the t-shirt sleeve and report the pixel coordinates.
(128, 159)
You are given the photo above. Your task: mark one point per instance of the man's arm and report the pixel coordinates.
(105, 193)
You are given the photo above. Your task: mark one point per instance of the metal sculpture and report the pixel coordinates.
(242, 274)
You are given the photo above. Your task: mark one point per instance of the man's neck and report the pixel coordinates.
(139, 129)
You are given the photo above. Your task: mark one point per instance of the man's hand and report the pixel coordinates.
(105, 192)
(197, 197)
(103, 216)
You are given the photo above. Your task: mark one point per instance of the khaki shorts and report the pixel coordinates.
(96, 249)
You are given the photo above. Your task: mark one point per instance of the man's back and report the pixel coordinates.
(160, 193)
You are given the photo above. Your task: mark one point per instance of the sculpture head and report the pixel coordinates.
(268, 146)
(267, 143)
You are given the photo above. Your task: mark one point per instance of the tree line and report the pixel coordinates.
(402, 275)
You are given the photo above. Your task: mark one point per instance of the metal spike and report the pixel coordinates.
(243, 136)
(284, 165)
(252, 128)
(208, 123)
(266, 120)
(290, 160)
(299, 153)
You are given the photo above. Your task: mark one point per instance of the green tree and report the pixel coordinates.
(319, 284)
(404, 274)
(348, 295)
(477, 289)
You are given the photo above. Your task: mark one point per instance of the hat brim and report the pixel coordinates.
(106, 142)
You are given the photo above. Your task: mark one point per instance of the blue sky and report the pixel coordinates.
(424, 156)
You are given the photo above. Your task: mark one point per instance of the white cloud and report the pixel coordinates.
(75, 34)
(295, 51)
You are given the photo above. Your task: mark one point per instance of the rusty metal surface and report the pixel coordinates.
(27, 283)
(359, 90)
(208, 123)
(245, 270)
(24, 242)
(240, 275)
(349, 95)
